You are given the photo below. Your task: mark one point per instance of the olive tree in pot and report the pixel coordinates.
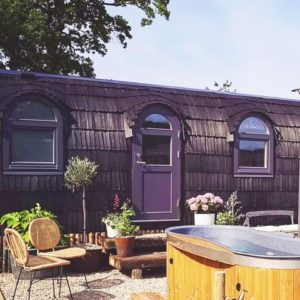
(123, 223)
(79, 175)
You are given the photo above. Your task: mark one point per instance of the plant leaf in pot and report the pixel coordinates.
(125, 241)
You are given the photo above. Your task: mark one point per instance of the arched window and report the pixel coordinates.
(33, 137)
(253, 151)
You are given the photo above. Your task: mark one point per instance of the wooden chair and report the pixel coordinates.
(45, 235)
(28, 262)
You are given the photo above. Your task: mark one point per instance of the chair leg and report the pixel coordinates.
(30, 284)
(68, 286)
(86, 282)
(53, 287)
(17, 283)
(60, 278)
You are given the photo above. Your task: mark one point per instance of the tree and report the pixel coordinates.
(57, 35)
(79, 174)
(225, 87)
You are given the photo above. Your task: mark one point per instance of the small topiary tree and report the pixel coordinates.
(79, 174)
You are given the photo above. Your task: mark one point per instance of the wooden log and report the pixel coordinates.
(141, 261)
(91, 238)
(219, 285)
(136, 274)
(142, 241)
(147, 296)
(72, 239)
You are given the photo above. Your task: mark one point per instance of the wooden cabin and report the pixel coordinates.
(156, 145)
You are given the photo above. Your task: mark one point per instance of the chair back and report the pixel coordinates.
(44, 233)
(17, 246)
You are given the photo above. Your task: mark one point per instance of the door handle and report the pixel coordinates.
(140, 162)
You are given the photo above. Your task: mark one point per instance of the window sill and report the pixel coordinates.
(239, 175)
(33, 173)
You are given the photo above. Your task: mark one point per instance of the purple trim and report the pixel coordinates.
(156, 188)
(268, 138)
(28, 168)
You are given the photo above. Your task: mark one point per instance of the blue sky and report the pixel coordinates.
(255, 44)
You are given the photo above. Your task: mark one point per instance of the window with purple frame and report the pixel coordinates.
(32, 138)
(254, 148)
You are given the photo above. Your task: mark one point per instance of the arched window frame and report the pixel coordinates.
(56, 126)
(267, 170)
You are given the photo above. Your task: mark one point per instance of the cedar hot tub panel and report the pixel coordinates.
(192, 262)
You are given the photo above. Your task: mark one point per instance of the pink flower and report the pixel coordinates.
(190, 201)
(199, 199)
(193, 207)
(204, 200)
(204, 207)
(219, 200)
(209, 195)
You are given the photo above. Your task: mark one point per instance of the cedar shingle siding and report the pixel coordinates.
(96, 114)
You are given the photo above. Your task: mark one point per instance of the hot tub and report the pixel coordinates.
(265, 265)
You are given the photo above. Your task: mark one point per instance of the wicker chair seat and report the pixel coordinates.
(36, 263)
(68, 253)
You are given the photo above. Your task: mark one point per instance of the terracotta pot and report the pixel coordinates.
(124, 245)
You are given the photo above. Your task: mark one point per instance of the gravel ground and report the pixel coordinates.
(110, 284)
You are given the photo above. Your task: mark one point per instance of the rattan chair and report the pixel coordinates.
(45, 235)
(30, 263)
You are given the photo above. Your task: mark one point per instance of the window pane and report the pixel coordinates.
(252, 153)
(156, 149)
(253, 125)
(32, 110)
(156, 121)
(32, 145)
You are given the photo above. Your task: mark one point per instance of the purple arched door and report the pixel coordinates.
(156, 165)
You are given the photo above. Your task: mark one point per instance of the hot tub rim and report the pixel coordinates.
(230, 257)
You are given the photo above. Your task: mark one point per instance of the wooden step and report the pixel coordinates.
(147, 296)
(141, 261)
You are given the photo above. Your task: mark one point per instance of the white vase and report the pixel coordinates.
(204, 219)
(111, 232)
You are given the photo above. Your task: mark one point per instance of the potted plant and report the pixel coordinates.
(111, 219)
(20, 220)
(79, 174)
(125, 240)
(204, 208)
(231, 213)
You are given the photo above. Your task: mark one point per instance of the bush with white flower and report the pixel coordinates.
(207, 203)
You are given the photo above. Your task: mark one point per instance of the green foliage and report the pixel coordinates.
(232, 211)
(79, 173)
(122, 220)
(20, 220)
(56, 36)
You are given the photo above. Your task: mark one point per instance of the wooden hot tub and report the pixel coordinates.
(266, 265)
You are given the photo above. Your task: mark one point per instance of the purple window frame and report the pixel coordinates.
(267, 171)
(56, 126)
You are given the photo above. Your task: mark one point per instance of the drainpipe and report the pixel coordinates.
(299, 199)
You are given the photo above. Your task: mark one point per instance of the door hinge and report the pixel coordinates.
(178, 154)
(179, 134)
(178, 203)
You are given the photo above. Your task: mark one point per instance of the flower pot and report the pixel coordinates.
(124, 245)
(111, 232)
(204, 219)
